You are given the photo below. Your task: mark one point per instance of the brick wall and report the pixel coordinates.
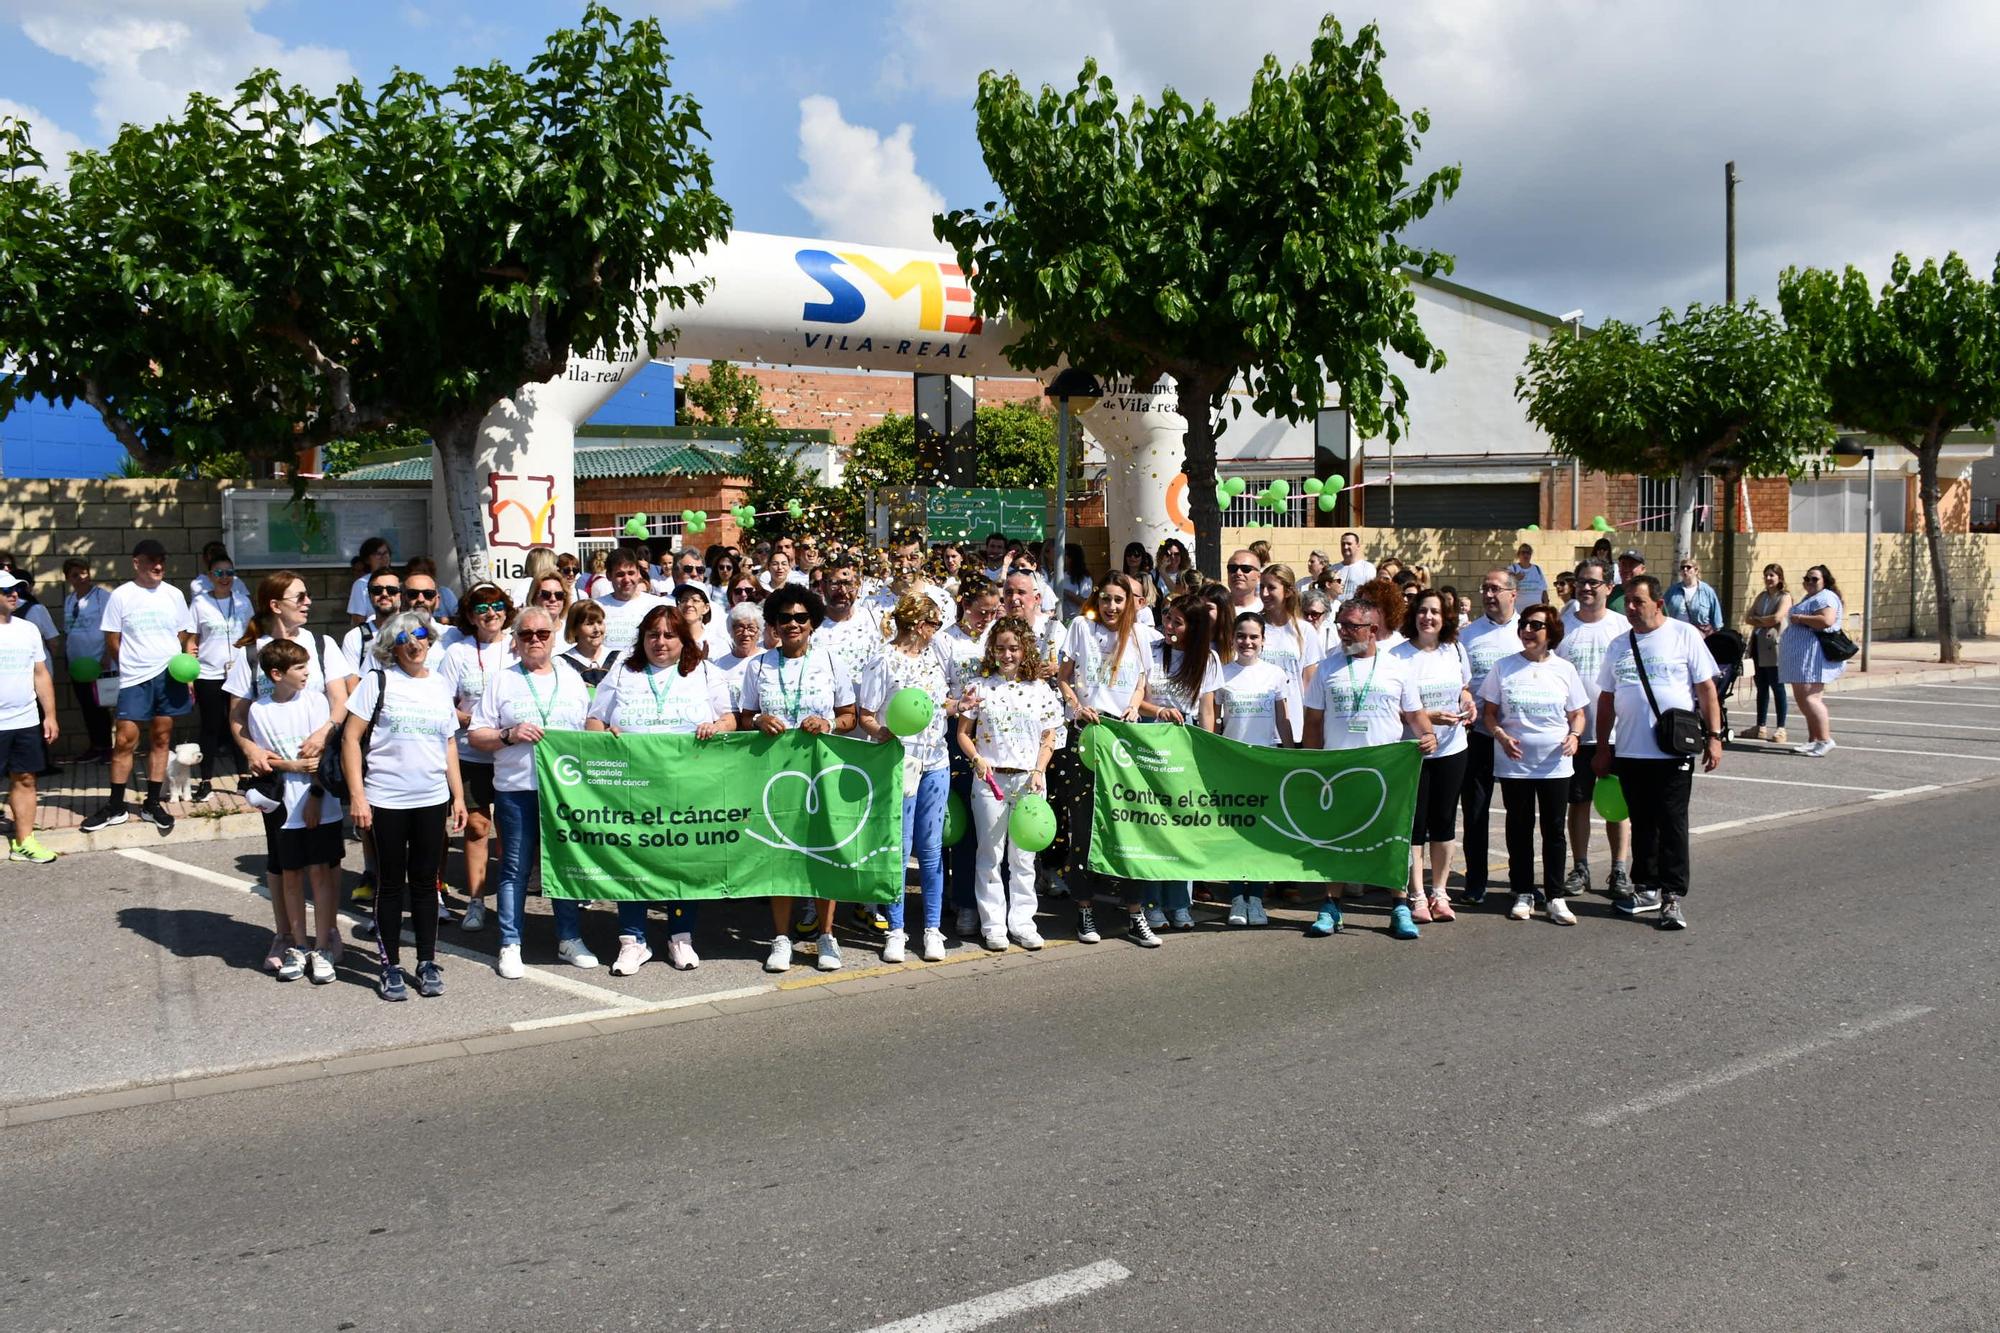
(847, 403)
(601, 500)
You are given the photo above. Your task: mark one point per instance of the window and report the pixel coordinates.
(1660, 504)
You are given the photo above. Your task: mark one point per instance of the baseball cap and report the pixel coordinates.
(683, 591)
(1635, 556)
(149, 549)
(11, 580)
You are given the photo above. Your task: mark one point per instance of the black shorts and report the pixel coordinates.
(302, 848)
(478, 780)
(1438, 785)
(1582, 781)
(21, 750)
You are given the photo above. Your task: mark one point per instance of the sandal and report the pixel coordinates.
(274, 957)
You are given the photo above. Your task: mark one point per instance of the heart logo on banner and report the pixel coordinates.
(1314, 796)
(815, 799)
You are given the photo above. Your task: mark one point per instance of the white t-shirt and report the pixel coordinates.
(357, 597)
(1583, 647)
(961, 652)
(796, 688)
(662, 700)
(1676, 661)
(20, 650)
(856, 641)
(894, 670)
(621, 619)
(1362, 701)
(244, 683)
(554, 702)
(282, 728)
(1098, 682)
(1536, 699)
(1485, 642)
(84, 617)
(217, 627)
(1161, 689)
(465, 666)
(1530, 584)
(1353, 576)
(405, 759)
(1248, 698)
(733, 668)
(795, 577)
(150, 621)
(355, 645)
(1011, 718)
(1440, 675)
(1294, 646)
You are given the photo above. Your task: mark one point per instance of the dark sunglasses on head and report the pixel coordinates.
(1244, 569)
(489, 608)
(534, 635)
(420, 594)
(420, 634)
(791, 618)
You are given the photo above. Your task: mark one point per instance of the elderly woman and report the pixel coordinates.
(403, 785)
(747, 639)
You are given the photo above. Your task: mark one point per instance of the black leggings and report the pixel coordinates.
(1439, 782)
(216, 743)
(1525, 797)
(409, 848)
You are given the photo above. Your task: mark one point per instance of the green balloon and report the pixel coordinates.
(1609, 798)
(747, 522)
(1312, 485)
(1599, 524)
(1532, 527)
(1335, 482)
(635, 526)
(184, 667)
(1327, 500)
(1237, 485)
(1087, 742)
(955, 820)
(910, 710)
(794, 508)
(1032, 826)
(84, 670)
(1281, 488)
(1222, 496)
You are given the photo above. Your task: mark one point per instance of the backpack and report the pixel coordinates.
(331, 775)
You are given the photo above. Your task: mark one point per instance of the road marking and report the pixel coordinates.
(1933, 754)
(1783, 782)
(1984, 689)
(1755, 1064)
(1908, 722)
(984, 1310)
(648, 1007)
(1885, 699)
(1748, 819)
(553, 980)
(1908, 791)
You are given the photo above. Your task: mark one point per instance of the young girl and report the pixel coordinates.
(1254, 699)
(302, 836)
(1180, 690)
(1007, 736)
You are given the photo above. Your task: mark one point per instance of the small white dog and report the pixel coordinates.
(183, 764)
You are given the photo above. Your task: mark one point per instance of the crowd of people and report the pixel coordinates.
(416, 725)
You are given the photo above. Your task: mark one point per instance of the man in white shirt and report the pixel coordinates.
(146, 624)
(1354, 571)
(375, 557)
(850, 633)
(1245, 571)
(996, 566)
(1021, 597)
(27, 719)
(1658, 785)
(1495, 635)
(1588, 632)
(385, 599)
(1528, 576)
(83, 620)
(626, 602)
(906, 571)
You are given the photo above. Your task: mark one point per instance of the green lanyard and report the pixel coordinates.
(535, 694)
(790, 702)
(659, 705)
(1360, 695)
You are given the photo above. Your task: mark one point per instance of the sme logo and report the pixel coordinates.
(944, 301)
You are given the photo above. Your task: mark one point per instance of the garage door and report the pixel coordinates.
(1514, 505)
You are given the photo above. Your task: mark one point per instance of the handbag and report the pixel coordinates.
(331, 775)
(1675, 730)
(1836, 645)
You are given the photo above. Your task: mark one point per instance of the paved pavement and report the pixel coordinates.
(1778, 1119)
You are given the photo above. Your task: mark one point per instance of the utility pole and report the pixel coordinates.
(1731, 475)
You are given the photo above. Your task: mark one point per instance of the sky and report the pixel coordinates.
(1592, 135)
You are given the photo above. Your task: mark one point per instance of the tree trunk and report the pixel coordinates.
(1689, 494)
(457, 442)
(1195, 398)
(1928, 491)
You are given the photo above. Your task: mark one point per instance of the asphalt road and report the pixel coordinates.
(1781, 1118)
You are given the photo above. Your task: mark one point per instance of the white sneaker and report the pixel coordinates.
(292, 965)
(575, 954)
(319, 967)
(1029, 939)
(968, 922)
(780, 957)
(1523, 908)
(632, 955)
(509, 965)
(829, 954)
(894, 945)
(475, 915)
(680, 952)
(1827, 747)
(994, 940)
(933, 945)
(1239, 911)
(1560, 914)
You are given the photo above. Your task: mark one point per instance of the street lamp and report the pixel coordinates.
(1070, 383)
(1847, 453)
(1574, 319)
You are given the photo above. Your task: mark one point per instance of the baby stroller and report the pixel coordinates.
(1726, 647)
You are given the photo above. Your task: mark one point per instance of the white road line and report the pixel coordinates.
(1983, 689)
(649, 1007)
(1782, 782)
(1910, 722)
(984, 1310)
(1755, 1064)
(1908, 791)
(553, 980)
(1933, 754)
(1885, 699)
(1739, 823)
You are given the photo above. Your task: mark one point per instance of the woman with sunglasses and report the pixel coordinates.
(722, 567)
(519, 705)
(220, 615)
(403, 787)
(1803, 664)
(549, 595)
(744, 587)
(913, 661)
(797, 685)
(1534, 705)
(1169, 563)
(472, 655)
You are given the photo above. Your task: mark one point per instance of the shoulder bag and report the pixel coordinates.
(1835, 644)
(1677, 731)
(332, 772)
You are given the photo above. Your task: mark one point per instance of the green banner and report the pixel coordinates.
(659, 818)
(952, 514)
(1182, 803)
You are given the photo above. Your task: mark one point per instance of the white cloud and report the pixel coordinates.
(146, 56)
(859, 185)
(51, 140)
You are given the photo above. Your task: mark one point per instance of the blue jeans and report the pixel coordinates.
(518, 815)
(923, 826)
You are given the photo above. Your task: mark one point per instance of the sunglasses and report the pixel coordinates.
(534, 635)
(384, 589)
(1590, 583)
(549, 595)
(1686, 568)
(223, 572)
(298, 599)
(420, 594)
(690, 570)
(1538, 626)
(1491, 587)
(1245, 569)
(791, 618)
(566, 570)
(488, 608)
(1355, 624)
(418, 635)
(738, 594)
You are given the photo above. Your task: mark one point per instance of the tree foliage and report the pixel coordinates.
(726, 396)
(285, 269)
(1016, 444)
(1715, 383)
(1171, 240)
(1911, 365)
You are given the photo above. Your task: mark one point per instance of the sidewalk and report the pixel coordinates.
(1915, 662)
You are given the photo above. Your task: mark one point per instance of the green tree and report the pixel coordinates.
(287, 269)
(1718, 382)
(727, 396)
(1911, 365)
(1016, 445)
(1174, 241)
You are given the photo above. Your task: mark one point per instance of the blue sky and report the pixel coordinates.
(1592, 132)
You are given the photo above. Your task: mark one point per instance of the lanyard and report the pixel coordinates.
(659, 705)
(790, 701)
(1360, 695)
(535, 694)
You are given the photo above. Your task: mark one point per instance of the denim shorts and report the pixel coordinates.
(162, 696)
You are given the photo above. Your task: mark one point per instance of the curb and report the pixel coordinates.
(135, 832)
(1935, 675)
